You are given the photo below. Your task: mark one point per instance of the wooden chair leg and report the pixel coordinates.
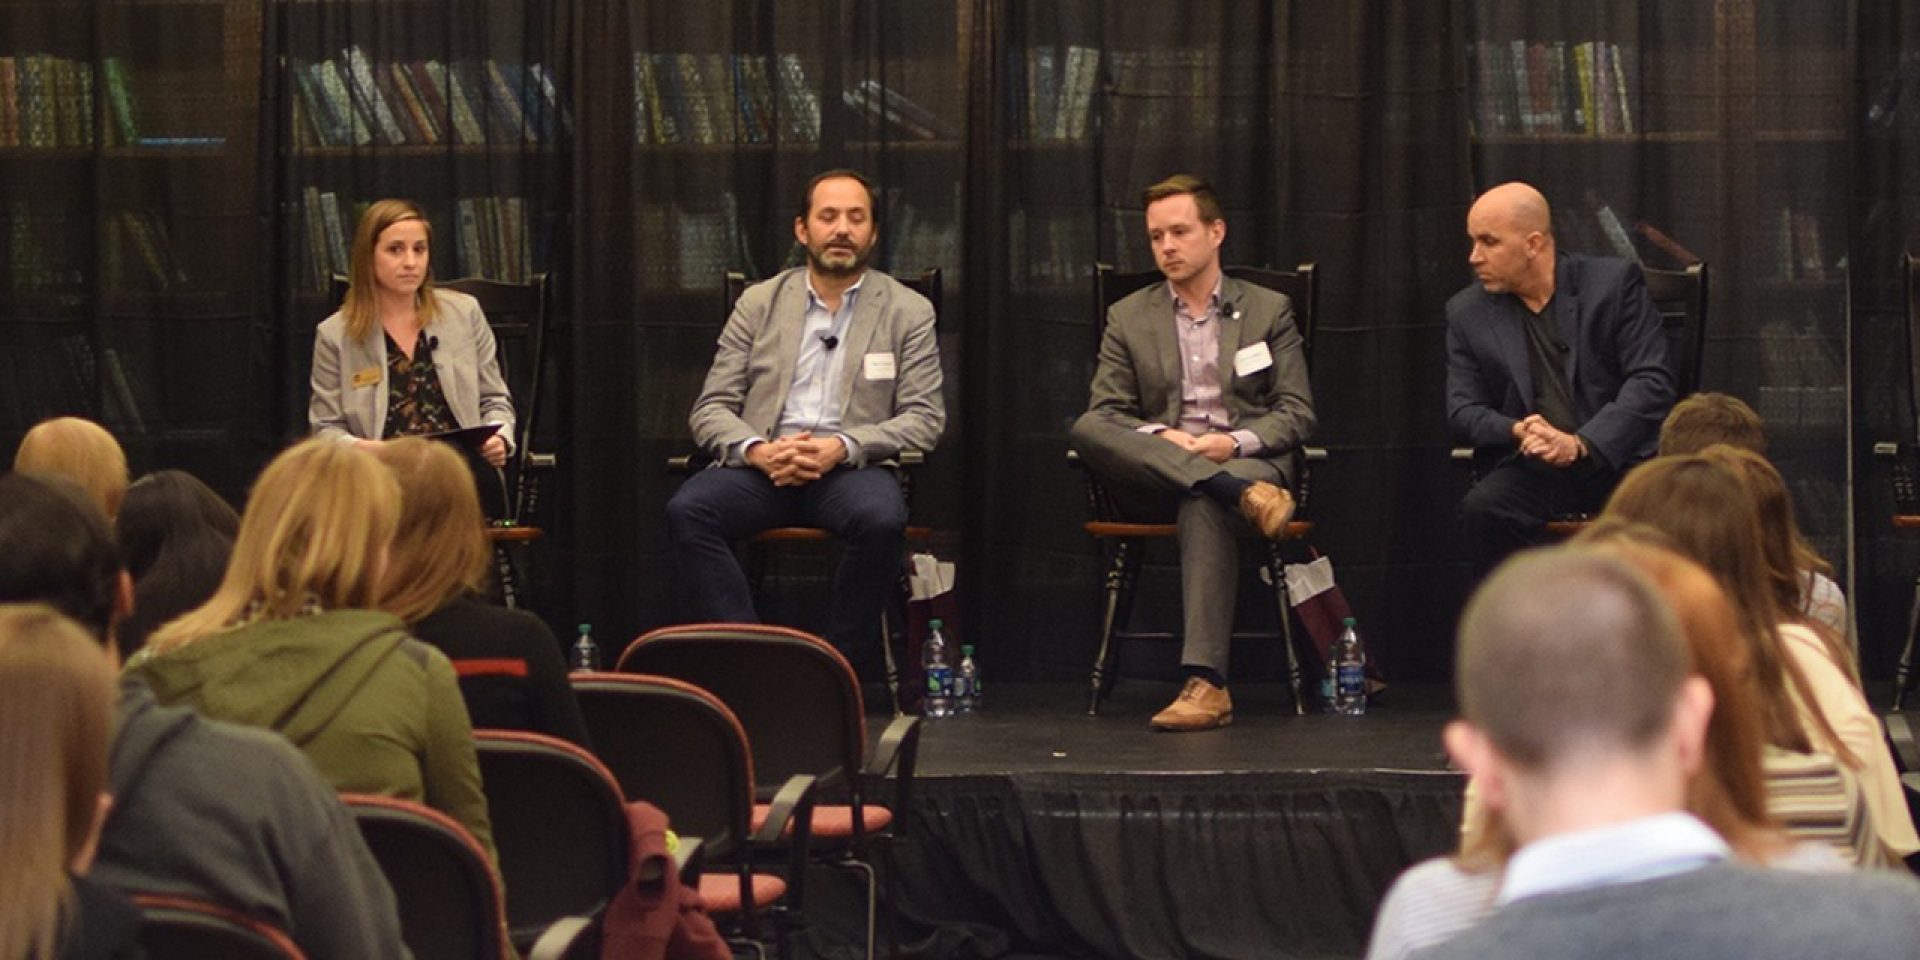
(1903, 673)
(1283, 602)
(1119, 588)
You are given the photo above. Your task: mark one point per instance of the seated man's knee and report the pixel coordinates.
(877, 520)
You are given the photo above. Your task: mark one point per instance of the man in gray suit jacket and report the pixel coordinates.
(1199, 404)
(823, 375)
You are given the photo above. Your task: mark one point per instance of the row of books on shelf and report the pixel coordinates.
(350, 101)
(723, 98)
(37, 251)
(1553, 87)
(688, 249)
(45, 252)
(1051, 92)
(45, 101)
(490, 238)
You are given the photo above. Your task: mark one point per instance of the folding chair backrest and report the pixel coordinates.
(673, 745)
(560, 824)
(795, 695)
(1681, 298)
(449, 901)
(186, 928)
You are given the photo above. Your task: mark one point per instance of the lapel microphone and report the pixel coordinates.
(829, 340)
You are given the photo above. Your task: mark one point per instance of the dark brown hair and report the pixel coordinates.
(1186, 184)
(1704, 419)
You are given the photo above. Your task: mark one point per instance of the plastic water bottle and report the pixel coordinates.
(939, 673)
(586, 654)
(1349, 673)
(966, 683)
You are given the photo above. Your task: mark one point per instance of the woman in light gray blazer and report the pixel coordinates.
(401, 358)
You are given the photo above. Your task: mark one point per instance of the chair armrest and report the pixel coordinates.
(1074, 460)
(791, 808)
(897, 753)
(541, 461)
(687, 464)
(911, 458)
(557, 940)
(1461, 455)
(1314, 454)
(1906, 752)
(689, 859)
(1887, 450)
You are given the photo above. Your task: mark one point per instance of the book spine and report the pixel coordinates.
(357, 131)
(426, 83)
(466, 110)
(505, 103)
(367, 97)
(336, 232)
(124, 126)
(410, 101)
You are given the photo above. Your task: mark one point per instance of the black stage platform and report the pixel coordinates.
(1044, 832)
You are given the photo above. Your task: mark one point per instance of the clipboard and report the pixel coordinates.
(469, 438)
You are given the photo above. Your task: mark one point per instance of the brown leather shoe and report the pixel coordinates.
(1268, 507)
(1200, 706)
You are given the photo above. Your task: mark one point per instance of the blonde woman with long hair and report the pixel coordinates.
(294, 640)
(510, 669)
(56, 719)
(401, 357)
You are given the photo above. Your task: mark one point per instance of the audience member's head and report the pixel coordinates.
(1788, 557)
(176, 535)
(1708, 510)
(1704, 419)
(81, 451)
(316, 533)
(1573, 674)
(440, 550)
(56, 549)
(1731, 793)
(56, 718)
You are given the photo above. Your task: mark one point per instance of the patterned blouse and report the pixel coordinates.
(415, 403)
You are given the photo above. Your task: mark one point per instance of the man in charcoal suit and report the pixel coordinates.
(1200, 402)
(823, 375)
(1557, 374)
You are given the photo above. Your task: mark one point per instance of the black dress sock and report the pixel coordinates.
(1224, 487)
(1208, 674)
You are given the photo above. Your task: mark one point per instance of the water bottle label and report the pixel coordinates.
(1352, 680)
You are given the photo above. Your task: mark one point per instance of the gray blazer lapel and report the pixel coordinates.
(1231, 323)
(859, 337)
(784, 320)
(1164, 342)
(366, 409)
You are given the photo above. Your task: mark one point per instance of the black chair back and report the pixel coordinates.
(676, 746)
(184, 928)
(442, 881)
(560, 825)
(794, 694)
(1301, 285)
(1911, 275)
(1681, 298)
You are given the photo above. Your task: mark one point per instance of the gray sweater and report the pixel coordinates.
(1719, 911)
(241, 818)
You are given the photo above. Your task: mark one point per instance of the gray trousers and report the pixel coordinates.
(1151, 479)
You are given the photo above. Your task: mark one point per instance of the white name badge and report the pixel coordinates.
(1252, 359)
(879, 366)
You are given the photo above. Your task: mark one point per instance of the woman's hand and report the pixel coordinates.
(495, 450)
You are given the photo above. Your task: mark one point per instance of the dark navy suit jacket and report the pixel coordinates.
(1617, 369)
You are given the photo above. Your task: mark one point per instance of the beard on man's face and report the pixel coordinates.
(842, 265)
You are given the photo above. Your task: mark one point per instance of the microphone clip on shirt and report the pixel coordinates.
(829, 341)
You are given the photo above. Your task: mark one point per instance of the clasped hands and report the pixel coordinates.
(796, 459)
(1545, 442)
(1217, 447)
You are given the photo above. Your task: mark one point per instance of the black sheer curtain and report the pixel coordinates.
(1885, 208)
(131, 270)
(701, 124)
(1333, 133)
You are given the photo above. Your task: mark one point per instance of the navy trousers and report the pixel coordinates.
(1508, 509)
(863, 509)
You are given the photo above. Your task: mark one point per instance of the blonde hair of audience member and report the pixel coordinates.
(1708, 511)
(56, 720)
(81, 451)
(1704, 419)
(1780, 539)
(362, 305)
(440, 549)
(1729, 793)
(317, 529)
